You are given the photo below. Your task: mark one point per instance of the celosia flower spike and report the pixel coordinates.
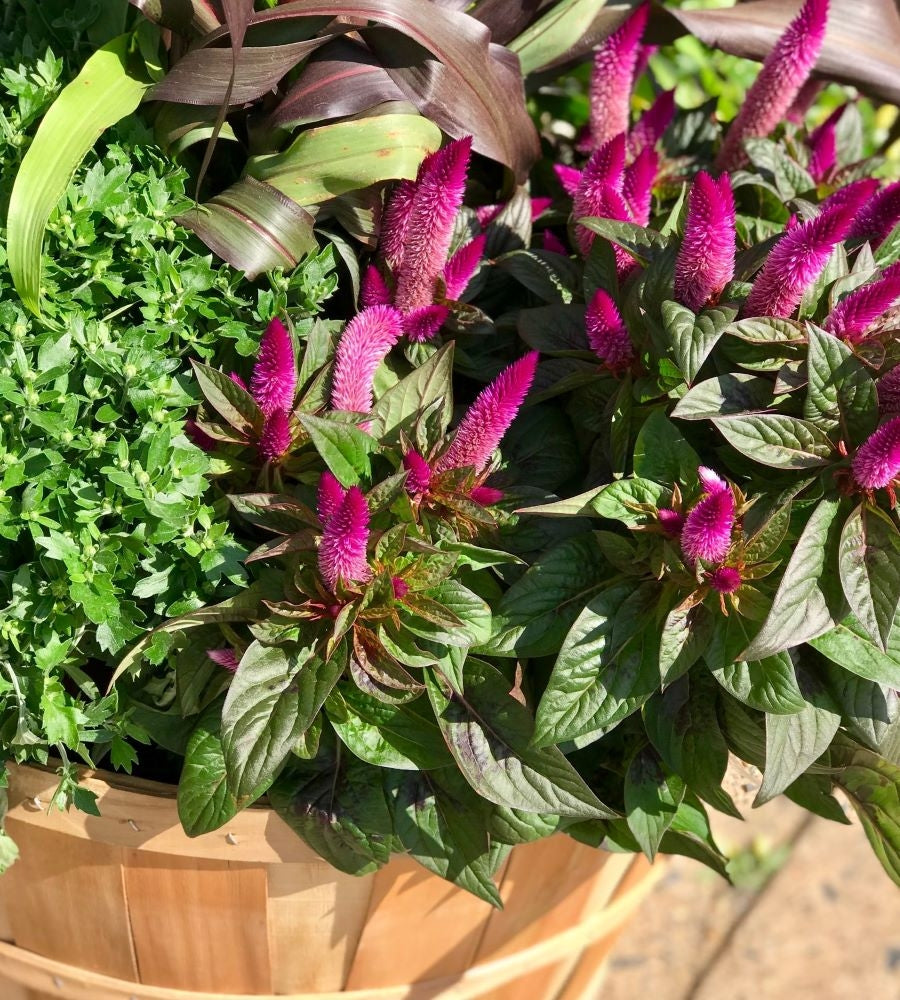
(373, 289)
(652, 124)
(395, 224)
(462, 266)
(605, 168)
(705, 262)
(440, 185)
(644, 54)
(238, 381)
(804, 100)
(612, 78)
(486, 496)
(607, 333)
(853, 195)
(639, 178)
(711, 481)
(276, 437)
(569, 177)
(822, 144)
(795, 262)
(225, 657)
(604, 203)
(856, 312)
(553, 244)
(274, 380)
(422, 325)
(364, 344)
(725, 579)
(786, 69)
(198, 436)
(670, 521)
(330, 496)
(888, 387)
(489, 417)
(707, 531)
(342, 550)
(879, 216)
(877, 462)
(418, 479)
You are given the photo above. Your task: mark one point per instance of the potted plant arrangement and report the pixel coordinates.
(528, 457)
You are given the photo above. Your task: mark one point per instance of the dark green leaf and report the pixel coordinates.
(204, 801)
(776, 440)
(869, 563)
(652, 798)
(344, 448)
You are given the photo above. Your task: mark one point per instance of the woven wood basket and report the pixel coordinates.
(126, 907)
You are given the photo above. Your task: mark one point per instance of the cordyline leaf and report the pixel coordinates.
(505, 18)
(474, 89)
(862, 44)
(187, 17)
(253, 227)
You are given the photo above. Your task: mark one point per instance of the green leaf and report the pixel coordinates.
(800, 611)
(537, 611)
(204, 801)
(847, 645)
(841, 394)
(489, 734)
(685, 635)
(868, 708)
(632, 501)
(793, 742)
(409, 402)
(661, 453)
(724, 395)
(767, 330)
(869, 563)
(104, 92)
(557, 31)
(640, 242)
(344, 448)
(777, 440)
(273, 698)
(235, 404)
(579, 506)
(607, 668)
(682, 724)
(652, 798)
(692, 337)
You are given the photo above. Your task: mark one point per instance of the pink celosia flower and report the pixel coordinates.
(198, 436)
(853, 195)
(599, 194)
(725, 579)
(569, 177)
(489, 417)
(364, 344)
(795, 262)
(652, 124)
(422, 325)
(822, 144)
(786, 69)
(643, 59)
(373, 289)
(705, 261)
(225, 657)
(400, 588)
(707, 531)
(419, 478)
(879, 216)
(274, 380)
(342, 550)
(607, 333)
(889, 391)
(330, 496)
(486, 214)
(276, 437)
(395, 224)
(877, 462)
(613, 77)
(637, 187)
(238, 381)
(804, 100)
(792, 222)
(711, 481)
(670, 521)
(554, 244)
(486, 496)
(605, 167)
(852, 316)
(461, 267)
(439, 189)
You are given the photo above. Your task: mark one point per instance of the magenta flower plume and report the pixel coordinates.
(853, 195)
(422, 325)
(607, 333)
(643, 59)
(486, 496)
(274, 380)
(373, 289)
(539, 206)
(364, 344)
(725, 579)
(486, 214)
(670, 521)
(440, 185)
(707, 531)
(330, 496)
(395, 224)
(804, 100)
(554, 244)
(605, 167)
(613, 78)
(877, 461)
(419, 478)
(786, 69)
(400, 588)
(711, 481)
(879, 216)
(822, 144)
(462, 266)
(569, 177)
(489, 417)
(238, 381)
(705, 262)
(889, 391)
(637, 187)
(795, 262)
(196, 435)
(856, 312)
(276, 436)
(653, 123)
(605, 203)
(342, 550)
(225, 657)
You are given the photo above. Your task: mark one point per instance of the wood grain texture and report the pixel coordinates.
(199, 924)
(316, 917)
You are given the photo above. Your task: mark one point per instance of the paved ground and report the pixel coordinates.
(825, 924)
